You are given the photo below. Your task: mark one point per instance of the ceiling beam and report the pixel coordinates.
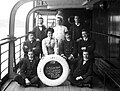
(90, 2)
(65, 6)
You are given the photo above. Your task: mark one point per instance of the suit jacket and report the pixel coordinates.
(89, 44)
(83, 70)
(34, 44)
(29, 69)
(40, 34)
(76, 32)
(67, 48)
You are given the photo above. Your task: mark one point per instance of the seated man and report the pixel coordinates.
(49, 44)
(28, 72)
(82, 75)
(68, 50)
(31, 44)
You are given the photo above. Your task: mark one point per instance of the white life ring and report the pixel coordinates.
(46, 60)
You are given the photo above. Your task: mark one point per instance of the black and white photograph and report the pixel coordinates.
(60, 45)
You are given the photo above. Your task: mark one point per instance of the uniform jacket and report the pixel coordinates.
(40, 34)
(67, 48)
(34, 44)
(76, 32)
(89, 44)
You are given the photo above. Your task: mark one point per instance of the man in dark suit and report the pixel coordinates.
(31, 44)
(68, 50)
(76, 29)
(82, 75)
(28, 72)
(40, 32)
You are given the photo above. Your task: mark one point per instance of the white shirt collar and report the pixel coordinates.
(85, 39)
(77, 24)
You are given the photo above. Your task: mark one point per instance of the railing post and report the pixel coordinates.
(11, 57)
(20, 49)
(0, 67)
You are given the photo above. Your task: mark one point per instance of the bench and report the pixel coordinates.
(109, 71)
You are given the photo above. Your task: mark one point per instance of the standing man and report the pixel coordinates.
(76, 29)
(39, 32)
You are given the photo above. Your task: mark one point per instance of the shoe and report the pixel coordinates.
(35, 85)
(72, 84)
(90, 86)
(24, 85)
(87, 85)
(80, 85)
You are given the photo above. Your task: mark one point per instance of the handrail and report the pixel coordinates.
(108, 35)
(4, 42)
(21, 37)
(19, 45)
(8, 39)
(3, 39)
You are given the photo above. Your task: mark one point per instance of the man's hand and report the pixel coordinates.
(37, 40)
(27, 81)
(78, 39)
(71, 57)
(34, 48)
(62, 55)
(79, 77)
(25, 47)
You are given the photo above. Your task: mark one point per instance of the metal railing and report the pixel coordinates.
(4, 55)
(3, 68)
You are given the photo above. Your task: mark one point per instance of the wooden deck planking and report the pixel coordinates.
(14, 86)
(83, 89)
(19, 88)
(49, 88)
(28, 89)
(66, 88)
(11, 87)
(87, 89)
(55, 89)
(71, 88)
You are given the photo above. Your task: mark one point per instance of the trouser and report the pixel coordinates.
(72, 64)
(21, 81)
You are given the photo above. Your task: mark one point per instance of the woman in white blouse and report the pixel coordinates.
(49, 44)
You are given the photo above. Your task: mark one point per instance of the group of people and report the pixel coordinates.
(75, 45)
